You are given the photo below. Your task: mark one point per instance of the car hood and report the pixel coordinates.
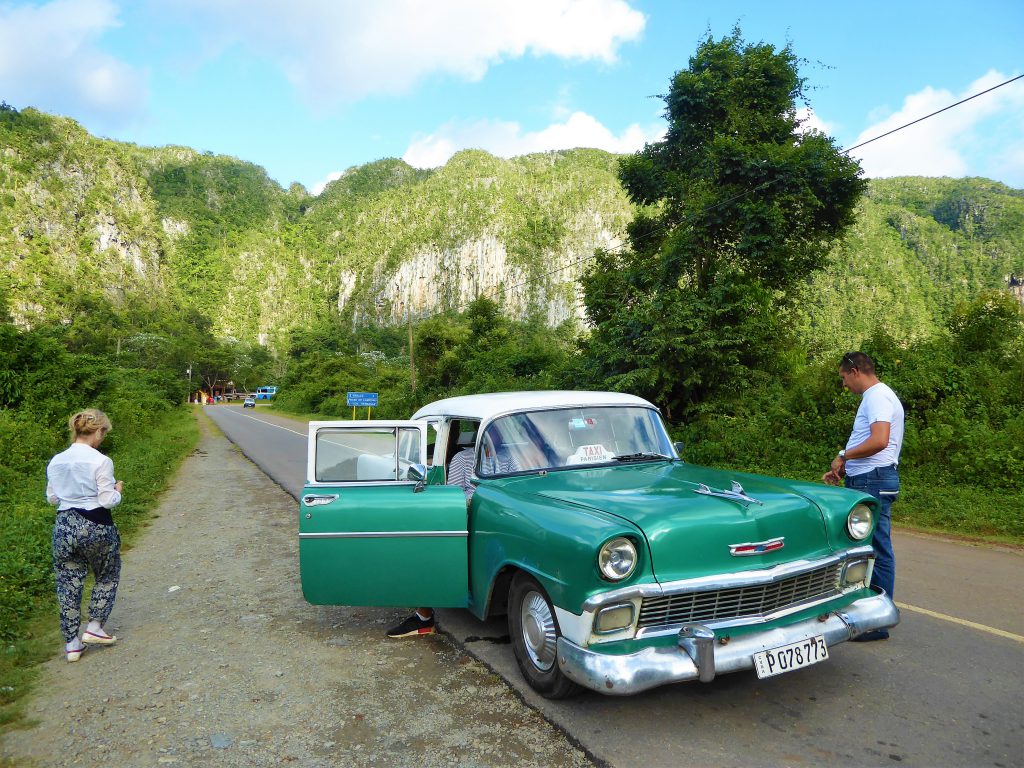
(691, 534)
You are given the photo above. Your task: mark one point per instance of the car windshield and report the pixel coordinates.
(569, 437)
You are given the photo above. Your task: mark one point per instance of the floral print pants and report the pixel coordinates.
(78, 545)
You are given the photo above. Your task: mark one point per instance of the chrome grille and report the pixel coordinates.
(749, 601)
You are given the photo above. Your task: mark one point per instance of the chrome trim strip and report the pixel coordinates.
(384, 534)
(722, 581)
(344, 484)
(618, 675)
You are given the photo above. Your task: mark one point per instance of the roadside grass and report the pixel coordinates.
(274, 408)
(984, 514)
(147, 464)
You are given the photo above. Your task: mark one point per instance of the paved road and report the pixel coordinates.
(947, 690)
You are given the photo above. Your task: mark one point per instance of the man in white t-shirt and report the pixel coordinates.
(870, 459)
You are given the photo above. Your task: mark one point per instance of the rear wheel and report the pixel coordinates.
(534, 631)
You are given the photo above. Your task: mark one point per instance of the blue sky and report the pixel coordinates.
(309, 88)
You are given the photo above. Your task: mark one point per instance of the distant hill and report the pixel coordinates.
(920, 245)
(215, 234)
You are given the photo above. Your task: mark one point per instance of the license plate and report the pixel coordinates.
(786, 658)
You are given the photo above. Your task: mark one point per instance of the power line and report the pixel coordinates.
(933, 114)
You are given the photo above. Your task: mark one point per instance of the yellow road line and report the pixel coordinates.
(963, 622)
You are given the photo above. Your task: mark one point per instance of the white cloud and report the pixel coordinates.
(320, 186)
(960, 142)
(345, 50)
(809, 121)
(49, 59)
(507, 139)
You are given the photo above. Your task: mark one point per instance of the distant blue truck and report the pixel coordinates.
(265, 393)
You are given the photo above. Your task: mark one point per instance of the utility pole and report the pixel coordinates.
(412, 362)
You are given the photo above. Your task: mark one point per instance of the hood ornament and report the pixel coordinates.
(735, 494)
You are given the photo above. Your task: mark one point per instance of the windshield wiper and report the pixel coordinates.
(642, 457)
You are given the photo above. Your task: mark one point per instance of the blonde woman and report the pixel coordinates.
(80, 481)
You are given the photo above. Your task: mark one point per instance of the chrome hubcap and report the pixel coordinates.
(539, 634)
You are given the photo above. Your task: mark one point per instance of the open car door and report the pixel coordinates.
(371, 535)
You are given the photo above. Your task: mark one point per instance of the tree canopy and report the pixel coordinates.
(739, 204)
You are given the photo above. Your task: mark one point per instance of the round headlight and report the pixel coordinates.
(858, 522)
(617, 559)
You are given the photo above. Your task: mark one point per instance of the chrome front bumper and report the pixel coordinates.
(699, 655)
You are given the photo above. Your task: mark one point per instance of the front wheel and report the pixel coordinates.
(534, 631)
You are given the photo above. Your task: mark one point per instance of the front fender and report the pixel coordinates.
(556, 542)
(835, 503)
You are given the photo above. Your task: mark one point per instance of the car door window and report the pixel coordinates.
(374, 454)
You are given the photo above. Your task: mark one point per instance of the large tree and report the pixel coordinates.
(738, 204)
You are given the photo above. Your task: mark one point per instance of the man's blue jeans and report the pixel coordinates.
(884, 484)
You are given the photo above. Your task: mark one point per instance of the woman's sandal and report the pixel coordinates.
(75, 655)
(93, 638)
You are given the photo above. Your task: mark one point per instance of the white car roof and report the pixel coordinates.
(486, 407)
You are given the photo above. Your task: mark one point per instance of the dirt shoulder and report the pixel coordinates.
(221, 662)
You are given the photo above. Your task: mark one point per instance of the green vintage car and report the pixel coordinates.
(620, 566)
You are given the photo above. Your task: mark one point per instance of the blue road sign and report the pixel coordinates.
(362, 399)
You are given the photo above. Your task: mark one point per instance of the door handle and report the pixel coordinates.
(313, 500)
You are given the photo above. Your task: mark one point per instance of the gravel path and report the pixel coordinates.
(221, 662)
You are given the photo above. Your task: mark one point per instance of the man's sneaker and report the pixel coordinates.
(413, 626)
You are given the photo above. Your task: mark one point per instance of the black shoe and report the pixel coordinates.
(412, 627)
(875, 634)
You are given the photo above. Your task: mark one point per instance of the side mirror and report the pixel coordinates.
(679, 445)
(417, 472)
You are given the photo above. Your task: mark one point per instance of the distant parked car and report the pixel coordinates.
(249, 402)
(620, 567)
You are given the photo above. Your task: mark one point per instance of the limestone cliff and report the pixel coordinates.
(84, 220)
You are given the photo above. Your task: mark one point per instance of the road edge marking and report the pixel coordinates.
(272, 424)
(962, 622)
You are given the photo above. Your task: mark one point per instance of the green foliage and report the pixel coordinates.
(46, 374)
(738, 209)
(370, 180)
(127, 360)
(919, 247)
(85, 221)
(964, 403)
(530, 209)
(738, 189)
(220, 207)
(478, 350)
(678, 347)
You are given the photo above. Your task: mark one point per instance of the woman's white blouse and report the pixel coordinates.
(81, 477)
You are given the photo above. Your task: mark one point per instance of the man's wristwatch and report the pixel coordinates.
(842, 455)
